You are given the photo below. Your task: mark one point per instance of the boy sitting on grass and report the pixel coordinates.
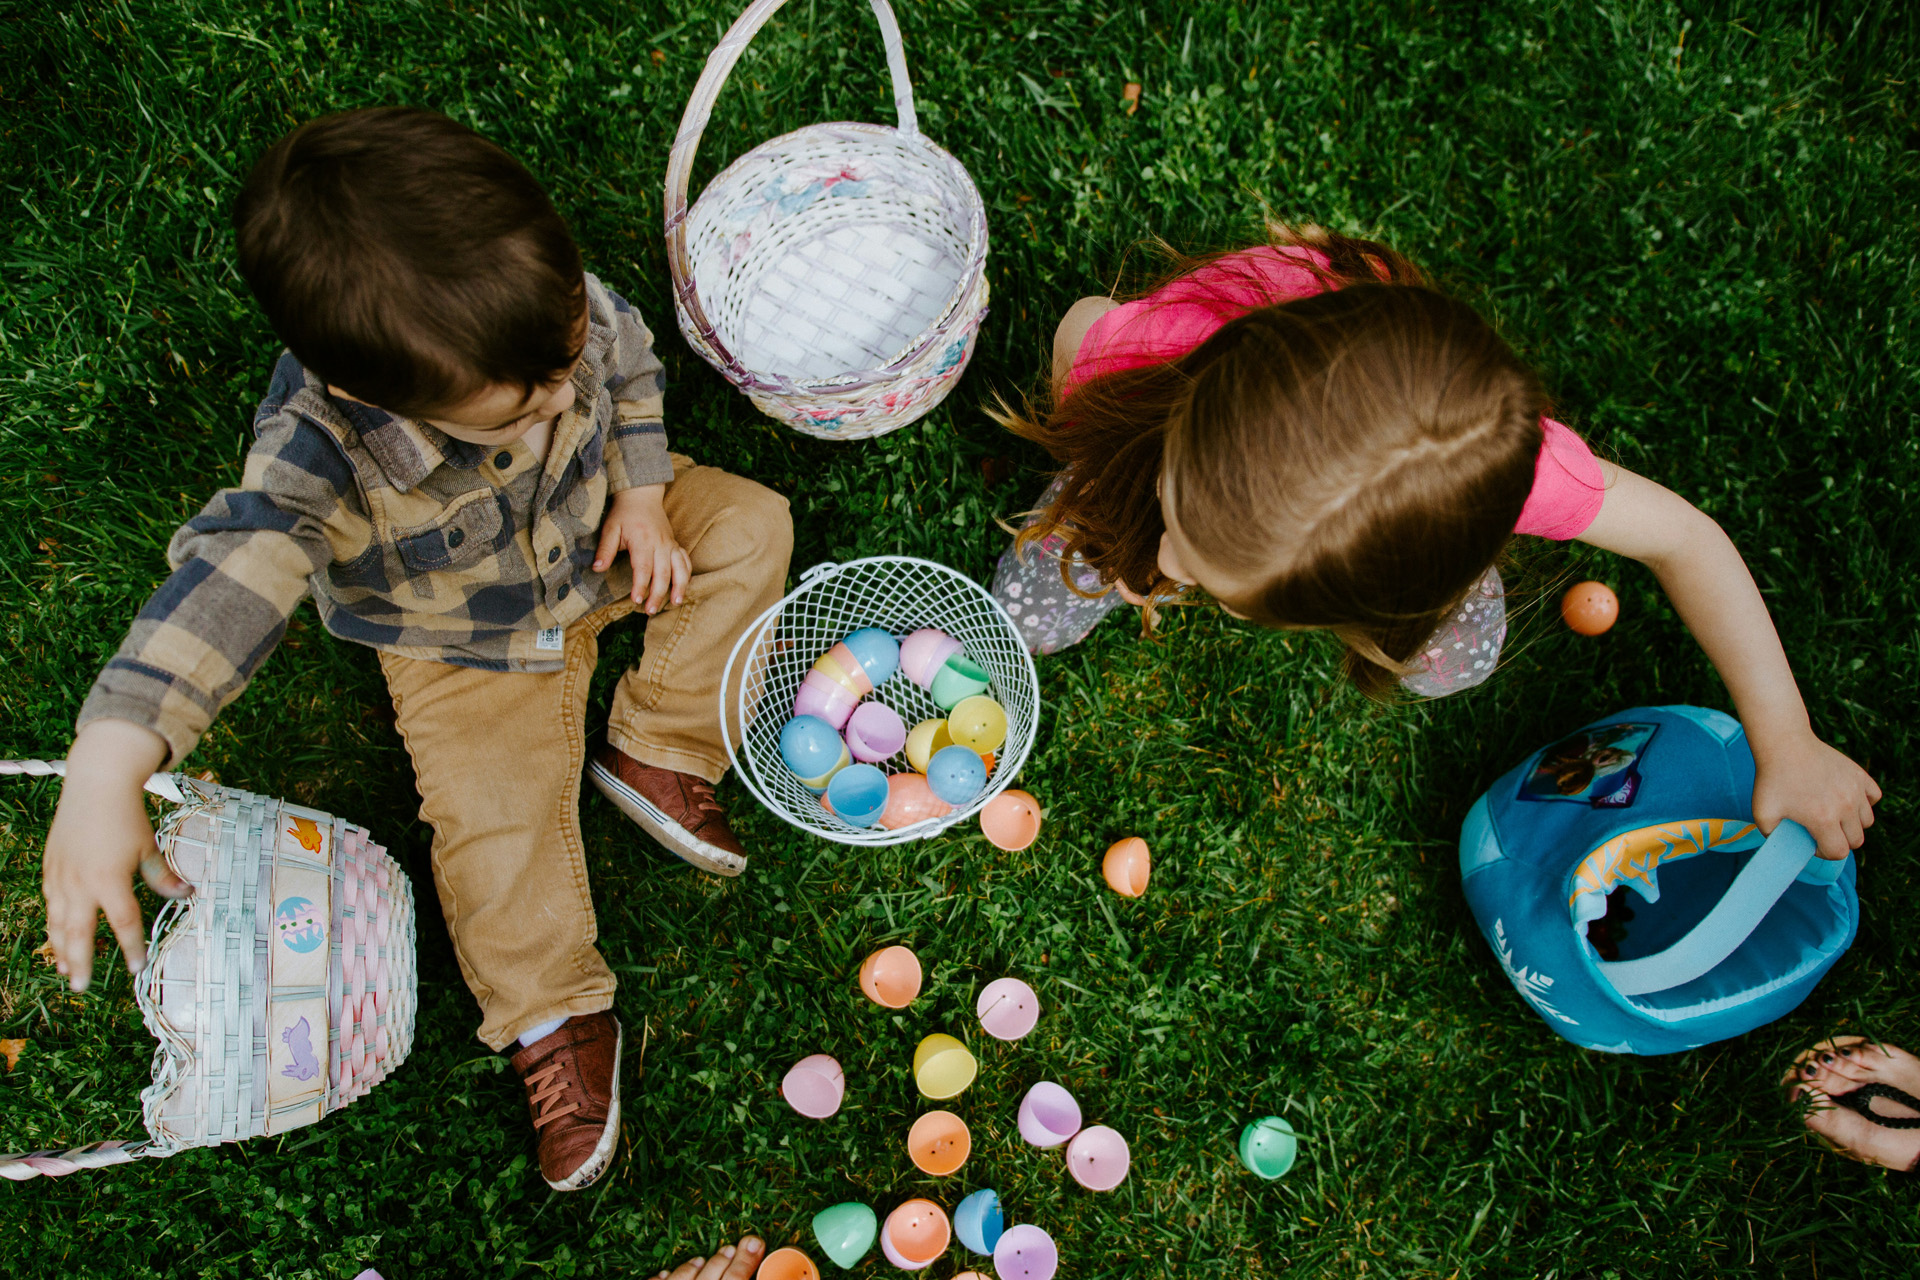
(463, 435)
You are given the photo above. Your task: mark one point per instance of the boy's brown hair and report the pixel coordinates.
(1363, 454)
(409, 261)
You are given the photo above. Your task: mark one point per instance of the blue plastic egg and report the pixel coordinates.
(979, 1221)
(810, 747)
(877, 651)
(956, 774)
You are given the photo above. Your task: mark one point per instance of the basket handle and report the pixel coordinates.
(20, 1166)
(164, 785)
(694, 123)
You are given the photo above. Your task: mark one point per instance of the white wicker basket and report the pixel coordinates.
(836, 274)
(900, 594)
(281, 990)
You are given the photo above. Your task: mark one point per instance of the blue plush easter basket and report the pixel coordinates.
(1622, 884)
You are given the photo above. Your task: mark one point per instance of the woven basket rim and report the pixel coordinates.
(928, 338)
(816, 577)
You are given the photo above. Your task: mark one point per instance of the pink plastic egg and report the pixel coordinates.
(910, 800)
(840, 663)
(924, 652)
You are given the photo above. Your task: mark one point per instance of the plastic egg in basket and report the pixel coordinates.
(901, 595)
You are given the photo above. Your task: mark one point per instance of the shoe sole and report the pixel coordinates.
(673, 837)
(601, 1159)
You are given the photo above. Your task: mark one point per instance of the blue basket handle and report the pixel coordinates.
(1789, 854)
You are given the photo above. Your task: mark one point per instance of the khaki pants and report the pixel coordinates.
(499, 756)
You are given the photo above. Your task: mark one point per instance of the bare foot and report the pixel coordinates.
(731, 1263)
(1842, 1065)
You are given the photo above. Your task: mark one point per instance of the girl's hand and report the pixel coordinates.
(637, 522)
(731, 1263)
(1128, 594)
(1805, 779)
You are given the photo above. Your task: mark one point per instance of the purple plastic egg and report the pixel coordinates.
(1098, 1158)
(1025, 1252)
(823, 696)
(1048, 1115)
(874, 732)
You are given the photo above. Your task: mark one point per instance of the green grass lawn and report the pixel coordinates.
(1698, 220)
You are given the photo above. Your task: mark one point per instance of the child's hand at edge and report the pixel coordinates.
(637, 523)
(731, 1263)
(1820, 788)
(100, 834)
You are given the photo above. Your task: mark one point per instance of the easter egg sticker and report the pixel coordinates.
(296, 923)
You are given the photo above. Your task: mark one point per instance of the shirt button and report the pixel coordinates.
(566, 589)
(503, 460)
(553, 555)
(456, 537)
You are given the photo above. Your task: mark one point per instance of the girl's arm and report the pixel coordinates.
(1798, 776)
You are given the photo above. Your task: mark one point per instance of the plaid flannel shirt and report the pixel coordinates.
(410, 541)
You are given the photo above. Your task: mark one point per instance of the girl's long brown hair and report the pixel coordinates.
(1360, 455)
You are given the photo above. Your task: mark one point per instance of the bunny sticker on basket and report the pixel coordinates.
(250, 1049)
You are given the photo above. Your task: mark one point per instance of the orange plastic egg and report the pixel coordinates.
(1127, 866)
(1011, 820)
(919, 1230)
(1590, 608)
(788, 1264)
(910, 800)
(891, 977)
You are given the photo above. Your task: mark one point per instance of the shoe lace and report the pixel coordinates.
(703, 797)
(546, 1085)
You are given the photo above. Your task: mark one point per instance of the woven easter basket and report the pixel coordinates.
(901, 594)
(280, 990)
(836, 274)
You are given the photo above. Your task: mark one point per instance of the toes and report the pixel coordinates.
(1858, 1138)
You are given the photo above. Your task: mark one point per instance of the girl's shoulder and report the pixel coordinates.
(1185, 312)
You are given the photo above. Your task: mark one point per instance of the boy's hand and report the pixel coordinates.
(1805, 779)
(100, 834)
(637, 521)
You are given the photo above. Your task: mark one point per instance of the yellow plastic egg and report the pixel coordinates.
(978, 723)
(927, 737)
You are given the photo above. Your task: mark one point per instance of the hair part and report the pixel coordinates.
(409, 261)
(1362, 454)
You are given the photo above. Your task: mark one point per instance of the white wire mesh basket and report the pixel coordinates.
(836, 274)
(281, 990)
(900, 594)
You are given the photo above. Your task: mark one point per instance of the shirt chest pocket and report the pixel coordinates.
(462, 536)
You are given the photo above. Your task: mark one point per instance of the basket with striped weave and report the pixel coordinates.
(280, 990)
(835, 274)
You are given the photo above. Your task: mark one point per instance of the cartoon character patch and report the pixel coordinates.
(1597, 767)
(299, 1041)
(296, 922)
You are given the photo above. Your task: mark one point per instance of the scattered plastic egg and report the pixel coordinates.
(787, 1264)
(1590, 608)
(957, 680)
(942, 1067)
(1011, 821)
(979, 1221)
(891, 977)
(1127, 867)
(956, 774)
(877, 652)
(846, 1231)
(839, 665)
(1268, 1147)
(911, 800)
(814, 1086)
(822, 696)
(926, 738)
(858, 794)
(978, 723)
(915, 1234)
(1098, 1158)
(1048, 1115)
(924, 652)
(1007, 1008)
(1025, 1252)
(939, 1143)
(810, 747)
(875, 731)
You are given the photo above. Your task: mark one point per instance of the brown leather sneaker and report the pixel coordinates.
(677, 809)
(573, 1094)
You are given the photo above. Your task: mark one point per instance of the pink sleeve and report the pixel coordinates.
(1168, 324)
(1567, 489)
